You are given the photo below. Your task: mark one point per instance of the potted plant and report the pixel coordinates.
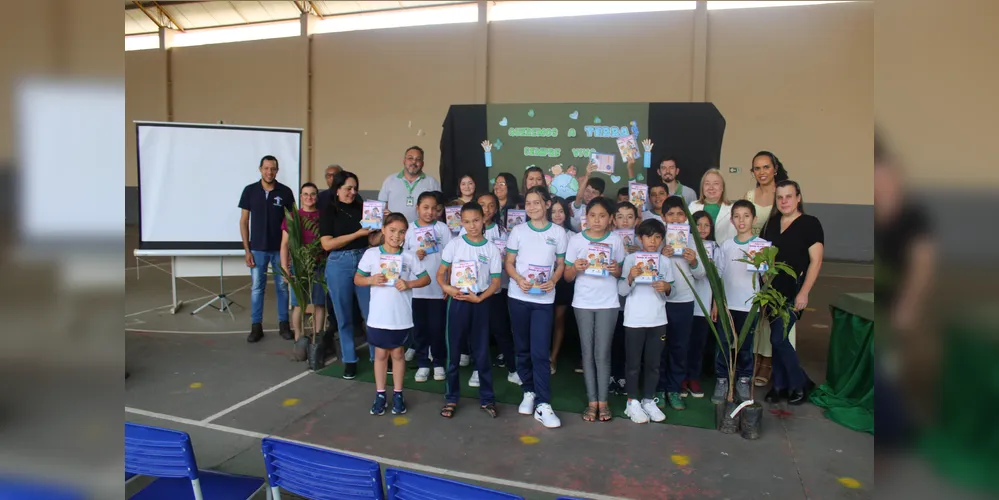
(766, 302)
(306, 260)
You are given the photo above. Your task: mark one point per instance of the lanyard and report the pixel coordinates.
(409, 186)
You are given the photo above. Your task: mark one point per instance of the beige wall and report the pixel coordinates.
(145, 99)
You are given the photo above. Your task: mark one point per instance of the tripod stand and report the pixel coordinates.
(225, 303)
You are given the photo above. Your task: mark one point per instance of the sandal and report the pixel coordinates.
(448, 410)
(590, 413)
(490, 409)
(605, 413)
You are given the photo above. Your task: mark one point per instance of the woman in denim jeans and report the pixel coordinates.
(343, 237)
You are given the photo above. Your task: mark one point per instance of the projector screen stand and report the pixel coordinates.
(225, 304)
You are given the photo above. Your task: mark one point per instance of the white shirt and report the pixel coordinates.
(484, 254)
(650, 215)
(395, 308)
(682, 292)
(644, 307)
(737, 277)
(538, 247)
(724, 230)
(595, 292)
(396, 193)
(492, 233)
(431, 261)
(702, 287)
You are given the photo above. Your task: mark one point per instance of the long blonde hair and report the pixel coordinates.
(724, 199)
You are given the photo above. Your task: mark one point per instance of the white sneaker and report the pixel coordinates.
(439, 373)
(473, 381)
(653, 411)
(465, 360)
(422, 374)
(635, 412)
(513, 378)
(546, 416)
(527, 405)
(410, 354)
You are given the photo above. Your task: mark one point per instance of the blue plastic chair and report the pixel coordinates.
(406, 485)
(18, 489)
(319, 474)
(168, 455)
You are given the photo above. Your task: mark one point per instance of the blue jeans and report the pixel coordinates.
(259, 275)
(673, 365)
(532, 340)
(743, 358)
(787, 372)
(340, 268)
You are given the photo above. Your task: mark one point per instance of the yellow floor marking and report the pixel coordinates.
(195, 385)
(290, 402)
(529, 440)
(680, 459)
(400, 420)
(849, 482)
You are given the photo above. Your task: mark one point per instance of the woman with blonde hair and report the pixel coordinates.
(713, 201)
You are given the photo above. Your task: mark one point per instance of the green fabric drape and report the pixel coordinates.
(848, 394)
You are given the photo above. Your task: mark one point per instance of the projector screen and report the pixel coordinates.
(191, 177)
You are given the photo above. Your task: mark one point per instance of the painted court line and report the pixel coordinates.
(129, 315)
(142, 330)
(388, 462)
(254, 398)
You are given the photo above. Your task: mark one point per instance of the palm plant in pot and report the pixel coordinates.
(766, 302)
(304, 278)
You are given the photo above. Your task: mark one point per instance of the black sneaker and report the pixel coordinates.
(500, 361)
(349, 371)
(284, 329)
(256, 333)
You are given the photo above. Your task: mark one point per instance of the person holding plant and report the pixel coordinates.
(306, 248)
(800, 242)
(389, 329)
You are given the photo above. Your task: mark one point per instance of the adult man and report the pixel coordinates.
(402, 190)
(668, 172)
(263, 204)
(324, 197)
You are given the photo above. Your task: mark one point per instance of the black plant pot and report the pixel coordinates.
(751, 421)
(726, 424)
(317, 354)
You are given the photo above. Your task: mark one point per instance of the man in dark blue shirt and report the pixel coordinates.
(263, 204)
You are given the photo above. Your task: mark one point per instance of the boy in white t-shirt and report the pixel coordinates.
(429, 306)
(389, 329)
(469, 274)
(625, 217)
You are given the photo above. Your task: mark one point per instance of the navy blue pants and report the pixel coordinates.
(618, 350)
(700, 331)
(428, 319)
(787, 371)
(744, 358)
(673, 365)
(468, 323)
(499, 328)
(532, 339)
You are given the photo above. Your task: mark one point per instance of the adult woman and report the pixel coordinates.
(800, 241)
(343, 237)
(507, 192)
(716, 204)
(309, 217)
(466, 190)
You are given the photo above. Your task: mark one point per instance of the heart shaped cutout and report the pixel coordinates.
(503, 122)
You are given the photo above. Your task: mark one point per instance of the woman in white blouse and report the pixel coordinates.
(714, 202)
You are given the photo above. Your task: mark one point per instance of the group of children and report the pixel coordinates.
(640, 327)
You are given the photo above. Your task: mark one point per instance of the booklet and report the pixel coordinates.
(391, 267)
(537, 276)
(515, 217)
(604, 162)
(501, 246)
(628, 147)
(426, 239)
(599, 257)
(638, 194)
(371, 214)
(464, 276)
(583, 226)
(627, 236)
(676, 237)
(752, 248)
(648, 262)
(452, 216)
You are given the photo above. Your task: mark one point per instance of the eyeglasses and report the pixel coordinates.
(501, 184)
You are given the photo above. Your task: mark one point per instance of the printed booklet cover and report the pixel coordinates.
(628, 147)
(537, 276)
(514, 218)
(599, 257)
(452, 216)
(627, 236)
(604, 162)
(752, 248)
(638, 194)
(372, 213)
(648, 262)
(391, 267)
(464, 276)
(676, 237)
(426, 239)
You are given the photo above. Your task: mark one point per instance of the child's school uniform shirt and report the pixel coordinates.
(431, 262)
(644, 307)
(494, 232)
(682, 292)
(649, 215)
(702, 287)
(737, 277)
(395, 308)
(595, 292)
(539, 247)
(484, 254)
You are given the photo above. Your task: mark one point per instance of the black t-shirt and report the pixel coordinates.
(339, 220)
(266, 214)
(892, 242)
(792, 249)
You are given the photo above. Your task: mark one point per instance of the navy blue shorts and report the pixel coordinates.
(388, 339)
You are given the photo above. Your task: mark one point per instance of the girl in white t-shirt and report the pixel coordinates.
(595, 301)
(704, 224)
(535, 262)
(389, 329)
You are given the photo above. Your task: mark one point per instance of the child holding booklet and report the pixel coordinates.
(625, 219)
(537, 246)
(468, 314)
(428, 303)
(739, 290)
(559, 215)
(596, 254)
(699, 329)
(645, 320)
(388, 330)
(679, 308)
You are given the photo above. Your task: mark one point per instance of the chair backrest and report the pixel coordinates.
(320, 474)
(16, 488)
(407, 485)
(158, 452)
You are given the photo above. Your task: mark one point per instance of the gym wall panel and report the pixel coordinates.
(145, 99)
(377, 92)
(798, 81)
(609, 58)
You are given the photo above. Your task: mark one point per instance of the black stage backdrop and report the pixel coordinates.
(690, 132)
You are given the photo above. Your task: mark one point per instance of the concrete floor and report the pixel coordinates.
(198, 374)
